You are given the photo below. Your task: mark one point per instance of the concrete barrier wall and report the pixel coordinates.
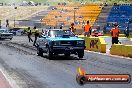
(120, 35)
(96, 44)
(116, 49)
(121, 50)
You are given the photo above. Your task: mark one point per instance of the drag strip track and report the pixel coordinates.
(90, 59)
(41, 72)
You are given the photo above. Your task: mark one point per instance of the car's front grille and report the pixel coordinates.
(68, 43)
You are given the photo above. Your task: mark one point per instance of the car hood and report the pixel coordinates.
(65, 39)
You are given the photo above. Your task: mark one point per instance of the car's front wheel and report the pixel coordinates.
(49, 53)
(39, 52)
(80, 54)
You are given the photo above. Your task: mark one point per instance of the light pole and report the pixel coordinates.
(14, 14)
(0, 23)
(75, 13)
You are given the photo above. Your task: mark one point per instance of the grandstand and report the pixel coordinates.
(120, 14)
(73, 13)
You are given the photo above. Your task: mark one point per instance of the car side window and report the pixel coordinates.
(48, 33)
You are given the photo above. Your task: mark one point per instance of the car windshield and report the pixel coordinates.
(4, 31)
(60, 33)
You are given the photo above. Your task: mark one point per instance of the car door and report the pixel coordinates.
(43, 41)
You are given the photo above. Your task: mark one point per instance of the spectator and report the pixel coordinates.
(105, 4)
(72, 28)
(115, 34)
(49, 27)
(7, 23)
(126, 32)
(87, 29)
(29, 34)
(104, 29)
(36, 35)
(60, 27)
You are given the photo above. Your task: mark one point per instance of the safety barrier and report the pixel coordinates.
(96, 44)
(120, 35)
(121, 50)
(116, 49)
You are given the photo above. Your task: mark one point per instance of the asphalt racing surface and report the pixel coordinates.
(24, 69)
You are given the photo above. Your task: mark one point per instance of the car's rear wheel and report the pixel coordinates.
(39, 52)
